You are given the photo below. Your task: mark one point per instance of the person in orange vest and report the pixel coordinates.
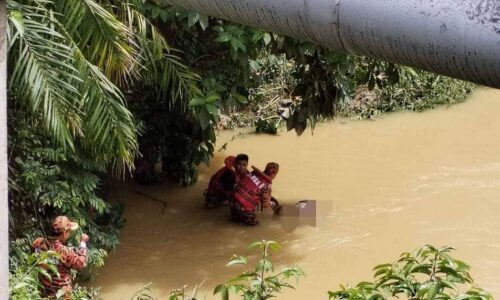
(252, 191)
(221, 184)
(69, 258)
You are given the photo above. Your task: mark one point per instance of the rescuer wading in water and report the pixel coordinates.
(252, 190)
(220, 187)
(69, 258)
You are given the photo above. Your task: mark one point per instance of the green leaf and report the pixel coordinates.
(267, 38)
(212, 109)
(197, 101)
(193, 18)
(237, 44)
(224, 37)
(220, 289)
(238, 260)
(274, 246)
(259, 244)
(203, 22)
(45, 273)
(204, 118)
(382, 266)
(265, 265)
(447, 284)
(223, 290)
(16, 17)
(241, 99)
(212, 98)
(433, 291)
(254, 65)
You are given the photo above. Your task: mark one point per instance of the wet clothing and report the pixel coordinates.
(250, 192)
(221, 185)
(69, 258)
(240, 215)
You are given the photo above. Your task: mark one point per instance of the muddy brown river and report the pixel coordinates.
(382, 187)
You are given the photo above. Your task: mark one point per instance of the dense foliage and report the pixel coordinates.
(264, 79)
(96, 89)
(72, 67)
(46, 180)
(415, 91)
(241, 68)
(429, 273)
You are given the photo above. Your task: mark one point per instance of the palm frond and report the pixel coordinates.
(109, 125)
(106, 41)
(109, 129)
(161, 68)
(42, 75)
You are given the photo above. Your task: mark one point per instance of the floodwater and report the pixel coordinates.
(382, 187)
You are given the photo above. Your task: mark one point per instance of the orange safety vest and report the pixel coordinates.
(215, 187)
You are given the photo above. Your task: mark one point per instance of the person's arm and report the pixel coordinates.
(266, 196)
(76, 259)
(40, 244)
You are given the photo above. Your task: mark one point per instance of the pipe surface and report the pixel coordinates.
(457, 38)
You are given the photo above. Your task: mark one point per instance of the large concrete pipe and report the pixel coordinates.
(458, 38)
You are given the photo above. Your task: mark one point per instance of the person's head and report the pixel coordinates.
(241, 163)
(272, 169)
(62, 227)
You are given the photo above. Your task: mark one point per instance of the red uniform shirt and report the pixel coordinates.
(69, 258)
(253, 189)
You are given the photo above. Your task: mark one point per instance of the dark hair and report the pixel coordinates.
(241, 157)
(55, 232)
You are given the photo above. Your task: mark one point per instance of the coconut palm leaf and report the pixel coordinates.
(72, 57)
(42, 73)
(78, 100)
(110, 131)
(162, 69)
(109, 126)
(102, 37)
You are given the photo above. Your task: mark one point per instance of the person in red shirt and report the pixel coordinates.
(221, 184)
(252, 191)
(69, 258)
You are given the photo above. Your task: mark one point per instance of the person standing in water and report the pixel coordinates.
(69, 258)
(250, 192)
(221, 184)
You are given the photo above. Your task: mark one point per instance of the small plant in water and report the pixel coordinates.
(258, 283)
(430, 273)
(144, 293)
(181, 294)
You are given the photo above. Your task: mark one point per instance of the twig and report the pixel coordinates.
(152, 198)
(276, 98)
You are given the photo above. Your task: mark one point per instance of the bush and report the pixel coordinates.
(430, 273)
(256, 283)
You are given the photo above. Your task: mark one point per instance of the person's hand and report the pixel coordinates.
(84, 238)
(278, 210)
(265, 204)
